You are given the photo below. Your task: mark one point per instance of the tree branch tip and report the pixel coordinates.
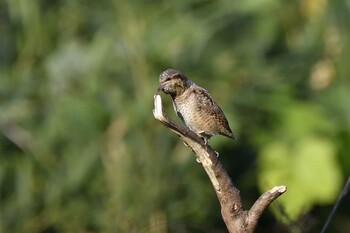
(280, 189)
(158, 108)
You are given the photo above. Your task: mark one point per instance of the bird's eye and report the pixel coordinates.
(167, 79)
(177, 76)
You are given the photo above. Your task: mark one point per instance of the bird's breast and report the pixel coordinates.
(194, 115)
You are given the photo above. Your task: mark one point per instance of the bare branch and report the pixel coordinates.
(237, 219)
(263, 202)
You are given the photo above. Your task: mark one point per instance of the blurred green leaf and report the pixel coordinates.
(308, 168)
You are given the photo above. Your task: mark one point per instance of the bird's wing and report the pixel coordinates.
(207, 104)
(206, 101)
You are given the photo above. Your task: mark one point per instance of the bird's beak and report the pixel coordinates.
(160, 88)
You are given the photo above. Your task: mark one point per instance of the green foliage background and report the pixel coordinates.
(81, 152)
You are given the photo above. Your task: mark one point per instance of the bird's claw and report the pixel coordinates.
(217, 154)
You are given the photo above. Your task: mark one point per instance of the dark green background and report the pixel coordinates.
(81, 152)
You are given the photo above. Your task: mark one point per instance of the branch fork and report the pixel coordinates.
(237, 219)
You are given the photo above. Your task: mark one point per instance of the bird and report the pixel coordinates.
(194, 105)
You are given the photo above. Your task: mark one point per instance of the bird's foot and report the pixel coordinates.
(206, 140)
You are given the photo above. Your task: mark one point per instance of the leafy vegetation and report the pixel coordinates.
(81, 152)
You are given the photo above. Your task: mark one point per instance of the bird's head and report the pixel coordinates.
(173, 82)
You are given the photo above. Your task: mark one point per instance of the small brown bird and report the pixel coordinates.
(194, 105)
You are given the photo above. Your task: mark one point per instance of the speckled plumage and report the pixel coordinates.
(194, 105)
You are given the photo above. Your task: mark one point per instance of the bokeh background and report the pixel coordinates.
(81, 152)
